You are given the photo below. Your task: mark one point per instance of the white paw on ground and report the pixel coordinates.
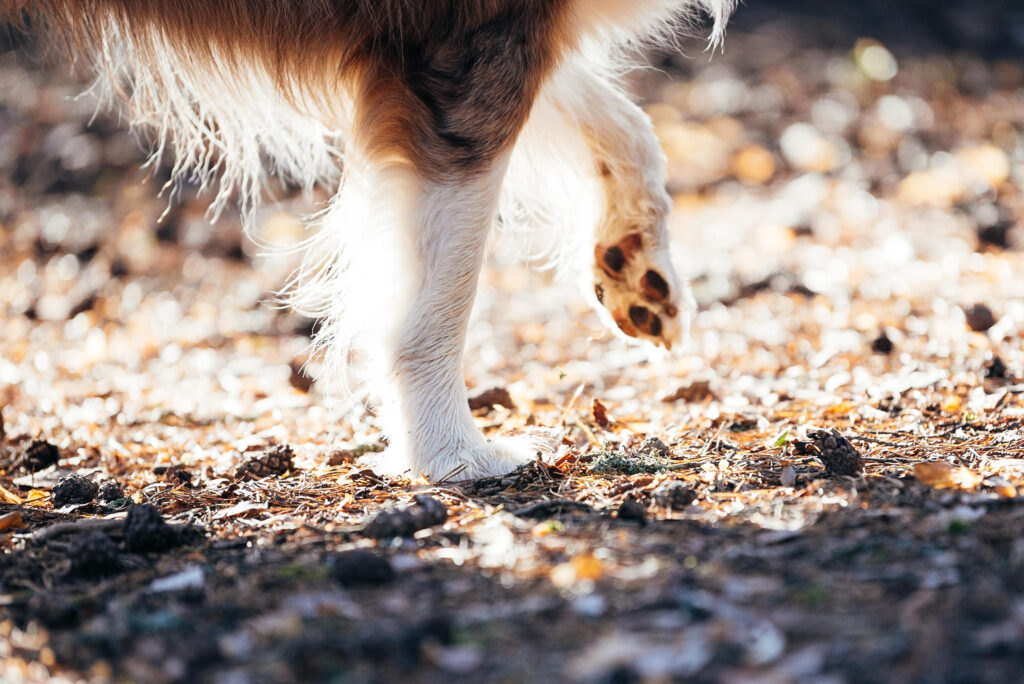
(484, 459)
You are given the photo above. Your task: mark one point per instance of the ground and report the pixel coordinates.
(849, 212)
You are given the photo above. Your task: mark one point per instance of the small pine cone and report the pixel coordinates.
(145, 530)
(73, 489)
(110, 491)
(93, 554)
(39, 455)
(674, 495)
(652, 446)
(836, 453)
(274, 460)
(407, 521)
(631, 509)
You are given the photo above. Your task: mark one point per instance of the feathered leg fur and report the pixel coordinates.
(632, 276)
(422, 103)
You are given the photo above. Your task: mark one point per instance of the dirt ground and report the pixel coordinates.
(850, 214)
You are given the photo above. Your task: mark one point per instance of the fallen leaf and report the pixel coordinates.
(788, 476)
(600, 414)
(240, 509)
(694, 392)
(37, 497)
(1006, 491)
(9, 497)
(942, 475)
(841, 409)
(11, 521)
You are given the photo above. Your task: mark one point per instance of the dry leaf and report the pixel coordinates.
(1007, 491)
(9, 497)
(942, 475)
(580, 568)
(11, 521)
(788, 476)
(695, 392)
(600, 414)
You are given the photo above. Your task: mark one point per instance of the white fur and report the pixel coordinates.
(393, 265)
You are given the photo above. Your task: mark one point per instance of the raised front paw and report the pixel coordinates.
(637, 285)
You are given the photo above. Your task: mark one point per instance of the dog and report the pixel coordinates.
(429, 121)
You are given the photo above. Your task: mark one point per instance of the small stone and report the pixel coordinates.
(73, 489)
(39, 454)
(93, 554)
(996, 369)
(631, 509)
(145, 530)
(110, 491)
(652, 446)
(788, 476)
(273, 460)
(996, 235)
(360, 567)
(882, 344)
(674, 495)
(175, 474)
(836, 452)
(979, 317)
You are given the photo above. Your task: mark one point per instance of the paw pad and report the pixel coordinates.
(633, 284)
(654, 286)
(645, 321)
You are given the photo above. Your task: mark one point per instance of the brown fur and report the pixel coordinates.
(445, 84)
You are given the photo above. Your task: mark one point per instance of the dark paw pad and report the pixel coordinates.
(645, 321)
(654, 286)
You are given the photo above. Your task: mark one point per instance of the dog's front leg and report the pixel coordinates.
(453, 115)
(427, 418)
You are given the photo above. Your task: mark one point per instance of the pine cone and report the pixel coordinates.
(652, 446)
(73, 489)
(407, 521)
(274, 460)
(631, 509)
(110, 491)
(92, 554)
(145, 530)
(836, 453)
(674, 495)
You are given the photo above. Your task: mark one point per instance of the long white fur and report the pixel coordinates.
(393, 265)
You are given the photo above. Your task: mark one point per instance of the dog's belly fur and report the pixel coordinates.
(413, 114)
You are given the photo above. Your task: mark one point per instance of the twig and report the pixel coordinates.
(83, 525)
(542, 507)
(572, 402)
(872, 440)
(450, 475)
